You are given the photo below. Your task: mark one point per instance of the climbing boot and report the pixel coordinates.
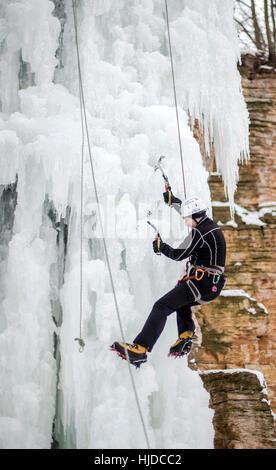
(183, 345)
(136, 353)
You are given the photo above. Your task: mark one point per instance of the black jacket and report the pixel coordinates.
(206, 247)
(205, 244)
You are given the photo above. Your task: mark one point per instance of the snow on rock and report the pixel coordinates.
(242, 293)
(258, 374)
(239, 397)
(248, 217)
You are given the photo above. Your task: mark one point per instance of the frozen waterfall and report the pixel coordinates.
(50, 393)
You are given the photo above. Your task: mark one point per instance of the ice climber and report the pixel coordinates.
(203, 281)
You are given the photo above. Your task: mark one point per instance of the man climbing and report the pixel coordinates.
(203, 281)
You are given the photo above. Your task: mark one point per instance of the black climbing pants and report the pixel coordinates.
(179, 300)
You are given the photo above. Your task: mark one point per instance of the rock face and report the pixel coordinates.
(238, 329)
(234, 331)
(243, 418)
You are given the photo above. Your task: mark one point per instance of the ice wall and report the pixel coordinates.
(207, 50)
(129, 98)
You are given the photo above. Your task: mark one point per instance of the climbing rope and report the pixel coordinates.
(175, 98)
(84, 123)
(80, 339)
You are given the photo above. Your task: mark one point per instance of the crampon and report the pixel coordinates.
(136, 353)
(182, 346)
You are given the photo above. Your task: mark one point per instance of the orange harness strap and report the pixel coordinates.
(199, 273)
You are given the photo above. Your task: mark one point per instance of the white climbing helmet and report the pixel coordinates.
(193, 206)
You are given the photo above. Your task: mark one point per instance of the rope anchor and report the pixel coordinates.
(81, 344)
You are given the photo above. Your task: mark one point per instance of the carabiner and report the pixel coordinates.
(216, 278)
(201, 276)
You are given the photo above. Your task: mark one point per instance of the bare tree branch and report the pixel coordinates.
(243, 3)
(271, 44)
(273, 7)
(245, 30)
(244, 13)
(257, 30)
(257, 25)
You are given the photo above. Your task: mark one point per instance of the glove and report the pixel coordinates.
(169, 198)
(157, 244)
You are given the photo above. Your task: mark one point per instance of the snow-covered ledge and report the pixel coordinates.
(243, 418)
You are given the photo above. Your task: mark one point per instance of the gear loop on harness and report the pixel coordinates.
(199, 273)
(199, 270)
(216, 278)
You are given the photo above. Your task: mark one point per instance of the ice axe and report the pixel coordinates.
(158, 166)
(157, 235)
(177, 203)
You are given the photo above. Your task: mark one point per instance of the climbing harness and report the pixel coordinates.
(85, 131)
(195, 276)
(199, 273)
